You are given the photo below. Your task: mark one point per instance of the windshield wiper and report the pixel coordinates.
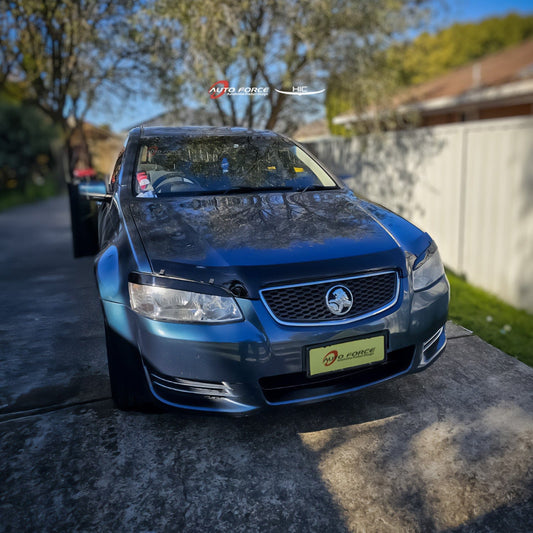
(242, 190)
(317, 188)
(239, 190)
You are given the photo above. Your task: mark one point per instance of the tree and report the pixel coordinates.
(366, 84)
(25, 144)
(62, 54)
(370, 84)
(275, 44)
(431, 55)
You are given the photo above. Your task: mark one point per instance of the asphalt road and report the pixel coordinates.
(449, 449)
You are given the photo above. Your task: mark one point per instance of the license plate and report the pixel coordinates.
(345, 355)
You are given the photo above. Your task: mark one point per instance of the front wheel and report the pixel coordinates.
(126, 373)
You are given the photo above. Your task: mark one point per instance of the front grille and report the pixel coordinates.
(296, 387)
(306, 303)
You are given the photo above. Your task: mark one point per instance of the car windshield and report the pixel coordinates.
(209, 164)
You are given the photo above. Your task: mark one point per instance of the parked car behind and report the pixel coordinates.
(235, 272)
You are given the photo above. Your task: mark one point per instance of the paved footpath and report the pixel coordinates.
(450, 449)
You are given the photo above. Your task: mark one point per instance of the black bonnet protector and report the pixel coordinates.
(251, 241)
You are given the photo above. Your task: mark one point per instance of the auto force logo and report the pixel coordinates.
(349, 354)
(334, 355)
(222, 87)
(339, 300)
(330, 358)
(218, 89)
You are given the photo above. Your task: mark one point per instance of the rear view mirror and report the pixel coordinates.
(95, 190)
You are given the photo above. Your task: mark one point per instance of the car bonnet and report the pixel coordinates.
(262, 239)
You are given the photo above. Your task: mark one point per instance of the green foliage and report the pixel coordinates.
(490, 318)
(26, 137)
(431, 55)
(360, 88)
(336, 104)
(32, 193)
(368, 84)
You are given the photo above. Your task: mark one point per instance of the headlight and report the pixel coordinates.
(175, 305)
(427, 268)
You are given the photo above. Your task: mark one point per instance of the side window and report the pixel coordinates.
(113, 180)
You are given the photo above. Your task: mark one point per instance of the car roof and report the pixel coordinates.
(199, 131)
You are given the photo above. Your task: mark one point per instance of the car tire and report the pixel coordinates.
(129, 388)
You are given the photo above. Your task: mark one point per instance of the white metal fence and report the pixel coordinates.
(470, 185)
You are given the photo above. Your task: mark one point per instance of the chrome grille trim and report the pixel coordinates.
(435, 337)
(376, 311)
(181, 385)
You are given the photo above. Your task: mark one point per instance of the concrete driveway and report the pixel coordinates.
(449, 449)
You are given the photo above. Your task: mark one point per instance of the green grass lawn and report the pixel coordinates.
(498, 323)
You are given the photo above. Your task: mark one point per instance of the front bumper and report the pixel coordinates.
(240, 367)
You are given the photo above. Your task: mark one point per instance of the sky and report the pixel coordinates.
(473, 10)
(121, 115)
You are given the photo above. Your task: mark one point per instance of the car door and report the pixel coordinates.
(108, 217)
(90, 219)
(84, 222)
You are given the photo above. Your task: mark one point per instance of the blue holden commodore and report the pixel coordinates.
(235, 272)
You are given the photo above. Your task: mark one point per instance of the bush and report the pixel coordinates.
(26, 137)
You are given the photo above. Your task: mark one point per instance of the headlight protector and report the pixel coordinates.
(159, 301)
(427, 268)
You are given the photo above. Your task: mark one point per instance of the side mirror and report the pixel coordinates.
(95, 191)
